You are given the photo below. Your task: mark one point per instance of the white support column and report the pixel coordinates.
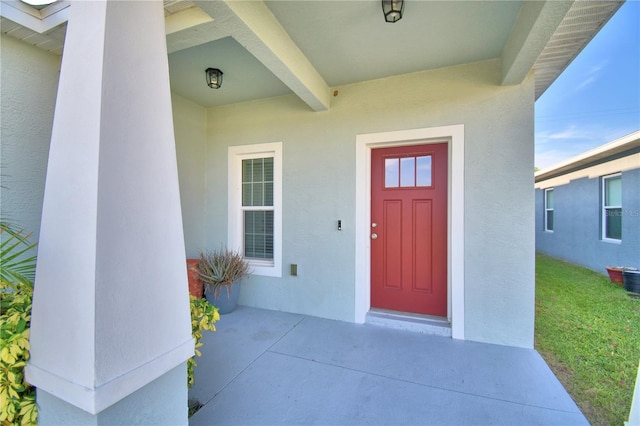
(110, 320)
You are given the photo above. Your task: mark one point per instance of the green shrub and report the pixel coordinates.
(203, 317)
(17, 267)
(16, 252)
(17, 397)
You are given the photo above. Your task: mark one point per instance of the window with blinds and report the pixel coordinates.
(257, 207)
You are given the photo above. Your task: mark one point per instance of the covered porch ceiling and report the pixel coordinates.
(308, 47)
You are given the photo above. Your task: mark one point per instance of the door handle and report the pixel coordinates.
(374, 236)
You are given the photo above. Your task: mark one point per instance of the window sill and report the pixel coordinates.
(611, 241)
(260, 263)
(264, 268)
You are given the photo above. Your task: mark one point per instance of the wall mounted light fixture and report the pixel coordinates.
(392, 10)
(214, 77)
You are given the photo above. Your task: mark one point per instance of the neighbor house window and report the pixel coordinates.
(612, 207)
(255, 206)
(548, 209)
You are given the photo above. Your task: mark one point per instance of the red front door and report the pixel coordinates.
(409, 229)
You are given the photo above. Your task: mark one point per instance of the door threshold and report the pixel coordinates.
(427, 324)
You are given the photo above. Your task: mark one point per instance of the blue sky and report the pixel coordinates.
(597, 98)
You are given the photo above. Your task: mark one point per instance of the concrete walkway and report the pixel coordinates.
(265, 367)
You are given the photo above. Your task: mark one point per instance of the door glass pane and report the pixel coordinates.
(423, 172)
(613, 191)
(391, 172)
(408, 171)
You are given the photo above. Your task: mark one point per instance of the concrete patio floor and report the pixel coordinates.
(266, 367)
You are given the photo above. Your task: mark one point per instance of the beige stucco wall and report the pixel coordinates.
(319, 189)
(189, 121)
(319, 179)
(28, 87)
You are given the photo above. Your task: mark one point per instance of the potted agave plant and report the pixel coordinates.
(221, 272)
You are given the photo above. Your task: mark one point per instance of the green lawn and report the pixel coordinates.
(588, 331)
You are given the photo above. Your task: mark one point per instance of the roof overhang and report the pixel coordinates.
(618, 148)
(582, 22)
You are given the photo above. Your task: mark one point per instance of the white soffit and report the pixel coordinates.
(581, 23)
(50, 41)
(43, 27)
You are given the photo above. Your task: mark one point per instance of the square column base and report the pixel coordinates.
(163, 401)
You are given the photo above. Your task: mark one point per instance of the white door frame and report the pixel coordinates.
(454, 137)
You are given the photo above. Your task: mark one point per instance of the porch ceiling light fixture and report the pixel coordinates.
(392, 10)
(214, 77)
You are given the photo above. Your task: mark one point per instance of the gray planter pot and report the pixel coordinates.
(226, 301)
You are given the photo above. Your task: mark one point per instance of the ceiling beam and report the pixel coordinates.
(253, 25)
(185, 19)
(195, 35)
(534, 27)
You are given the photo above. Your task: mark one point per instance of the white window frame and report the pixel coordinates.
(546, 210)
(604, 207)
(235, 211)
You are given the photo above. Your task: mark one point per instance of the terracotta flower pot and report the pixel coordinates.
(196, 288)
(615, 274)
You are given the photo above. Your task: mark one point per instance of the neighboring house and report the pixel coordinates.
(389, 162)
(588, 207)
